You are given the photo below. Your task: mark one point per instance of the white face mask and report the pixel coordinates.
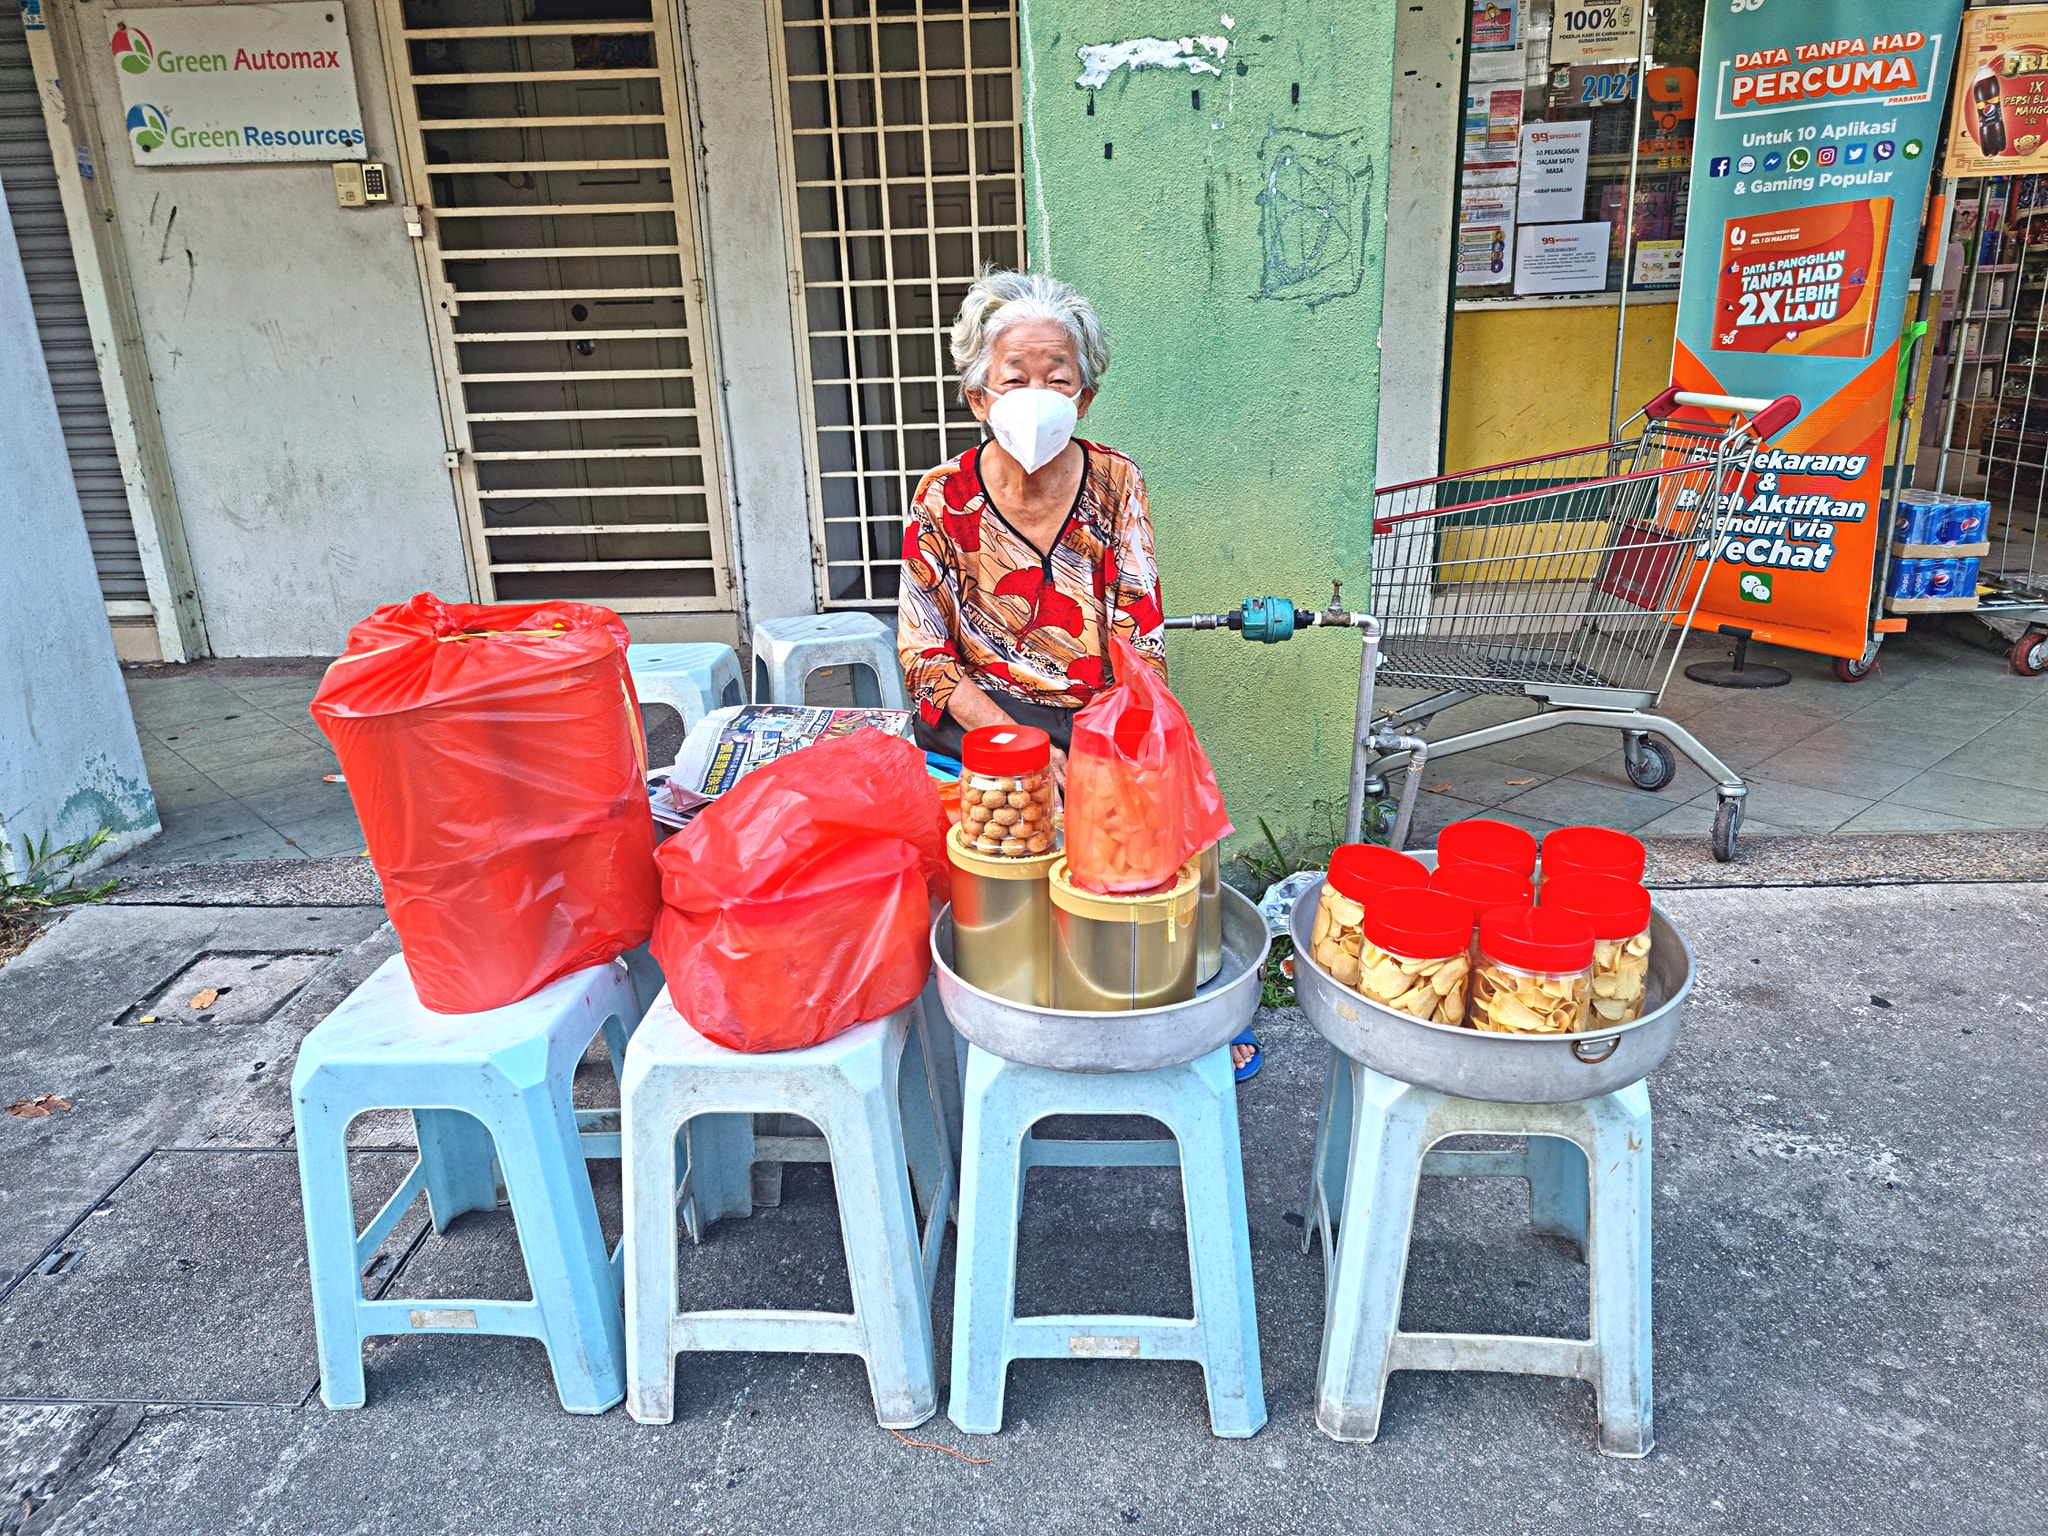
(1033, 425)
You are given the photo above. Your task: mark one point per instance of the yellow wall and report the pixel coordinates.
(1529, 381)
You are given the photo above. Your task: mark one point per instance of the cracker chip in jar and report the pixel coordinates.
(1619, 912)
(1534, 972)
(1410, 951)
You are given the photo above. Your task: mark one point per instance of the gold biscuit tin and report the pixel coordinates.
(1002, 922)
(1112, 953)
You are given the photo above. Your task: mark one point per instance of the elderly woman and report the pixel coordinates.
(1028, 551)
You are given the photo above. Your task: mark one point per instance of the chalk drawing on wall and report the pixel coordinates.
(1315, 214)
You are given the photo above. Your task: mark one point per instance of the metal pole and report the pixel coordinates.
(1628, 216)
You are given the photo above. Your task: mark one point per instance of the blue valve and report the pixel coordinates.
(1268, 620)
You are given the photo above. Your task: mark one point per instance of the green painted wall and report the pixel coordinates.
(1233, 248)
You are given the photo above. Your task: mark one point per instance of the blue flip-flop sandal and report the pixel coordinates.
(1250, 1069)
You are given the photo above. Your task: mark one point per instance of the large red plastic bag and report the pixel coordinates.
(798, 904)
(495, 759)
(1141, 798)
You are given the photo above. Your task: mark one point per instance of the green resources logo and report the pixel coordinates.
(132, 51)
(1755, 586)
(146, 126)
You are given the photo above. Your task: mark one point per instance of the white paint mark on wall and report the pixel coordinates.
(1101, 60)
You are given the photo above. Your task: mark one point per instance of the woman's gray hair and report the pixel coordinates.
(999, 299)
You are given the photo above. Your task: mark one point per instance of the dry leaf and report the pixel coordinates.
(332, 778)
(1521, 781)
(1437, 789)
(147, 1018)
(207, 998)
(37, 1107)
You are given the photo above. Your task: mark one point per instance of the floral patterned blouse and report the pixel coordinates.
(979, 602)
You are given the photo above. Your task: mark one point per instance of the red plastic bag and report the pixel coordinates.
(1141, 798)
(495, 759)
(798, 904)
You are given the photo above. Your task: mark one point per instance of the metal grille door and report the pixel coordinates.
(30, 179)
(904, 180)
(548, 155)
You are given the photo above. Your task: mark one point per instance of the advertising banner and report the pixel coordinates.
(2000, 126)
(227, 84)
(1593, 34)
(1813, 142)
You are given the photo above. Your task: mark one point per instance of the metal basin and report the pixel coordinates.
(1475, 1064)
(1136, 1040)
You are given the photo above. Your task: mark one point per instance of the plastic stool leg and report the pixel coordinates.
(1333, 1148)
(1364, 1306)
(1219, 1244)
(455, 1157)
(567, 1267)
(717, 1179)
(331, 1252)
(650, 1146)
(1558, 1188)
(985, 1256)
(878, 1220)
(1619, 1257)
(948, 1055)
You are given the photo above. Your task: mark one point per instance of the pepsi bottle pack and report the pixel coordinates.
(1939, 517)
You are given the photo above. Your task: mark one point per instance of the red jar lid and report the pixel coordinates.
(1617, 908)
(1547, 939)
(1005, 749)
(1359, 869)
(1593, 851)
(1417, 924)
(1480, 841)
(1482, 887)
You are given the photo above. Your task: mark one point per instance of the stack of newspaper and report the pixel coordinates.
(728, 744)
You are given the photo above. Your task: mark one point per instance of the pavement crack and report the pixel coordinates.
(112, 1431)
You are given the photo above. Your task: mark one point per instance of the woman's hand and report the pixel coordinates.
(1059, 775)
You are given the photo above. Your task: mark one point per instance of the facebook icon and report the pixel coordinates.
(1718, 166)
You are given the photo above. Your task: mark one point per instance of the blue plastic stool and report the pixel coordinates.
(787, 651)
(692, 677)
(689, 1106)
(1197, 1102)
(478, 1084)
(1588, 1167)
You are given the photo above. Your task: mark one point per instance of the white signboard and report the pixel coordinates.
(236, 84)
(1593, 34)
(1553, 177)
(1562, 258)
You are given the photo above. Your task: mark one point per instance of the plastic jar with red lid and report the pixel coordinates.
(1619, 911)
(1482, 887)
(1594, 851)
(1006, 805)
(1410, 951)
(1534, 972)
(1483, 841)
(1357, 870)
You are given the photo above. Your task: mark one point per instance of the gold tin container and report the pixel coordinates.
(1112, 953)
(1211, 918)
(1002, 922)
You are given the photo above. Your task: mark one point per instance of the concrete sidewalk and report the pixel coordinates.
(1849, 1261)
(1943, 738)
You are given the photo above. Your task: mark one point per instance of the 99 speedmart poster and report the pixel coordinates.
(1815, 138)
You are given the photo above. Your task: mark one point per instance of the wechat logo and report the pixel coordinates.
(1910, 149)
(132, 51)
(1755, 586)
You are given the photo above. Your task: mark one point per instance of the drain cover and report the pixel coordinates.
(230, 989)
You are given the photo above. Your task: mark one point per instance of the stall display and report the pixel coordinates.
(1006, 804)
(496, 762)
(1534, 972)
(1619, 911)
(1112, 953)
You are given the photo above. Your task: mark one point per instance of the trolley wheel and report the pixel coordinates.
(1855, 669)
(1652, 766)
(1727, 822)
(2029, 655)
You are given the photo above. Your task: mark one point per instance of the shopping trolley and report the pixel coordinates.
(1567, 578)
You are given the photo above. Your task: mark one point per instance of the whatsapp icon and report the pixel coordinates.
(1799, 159)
